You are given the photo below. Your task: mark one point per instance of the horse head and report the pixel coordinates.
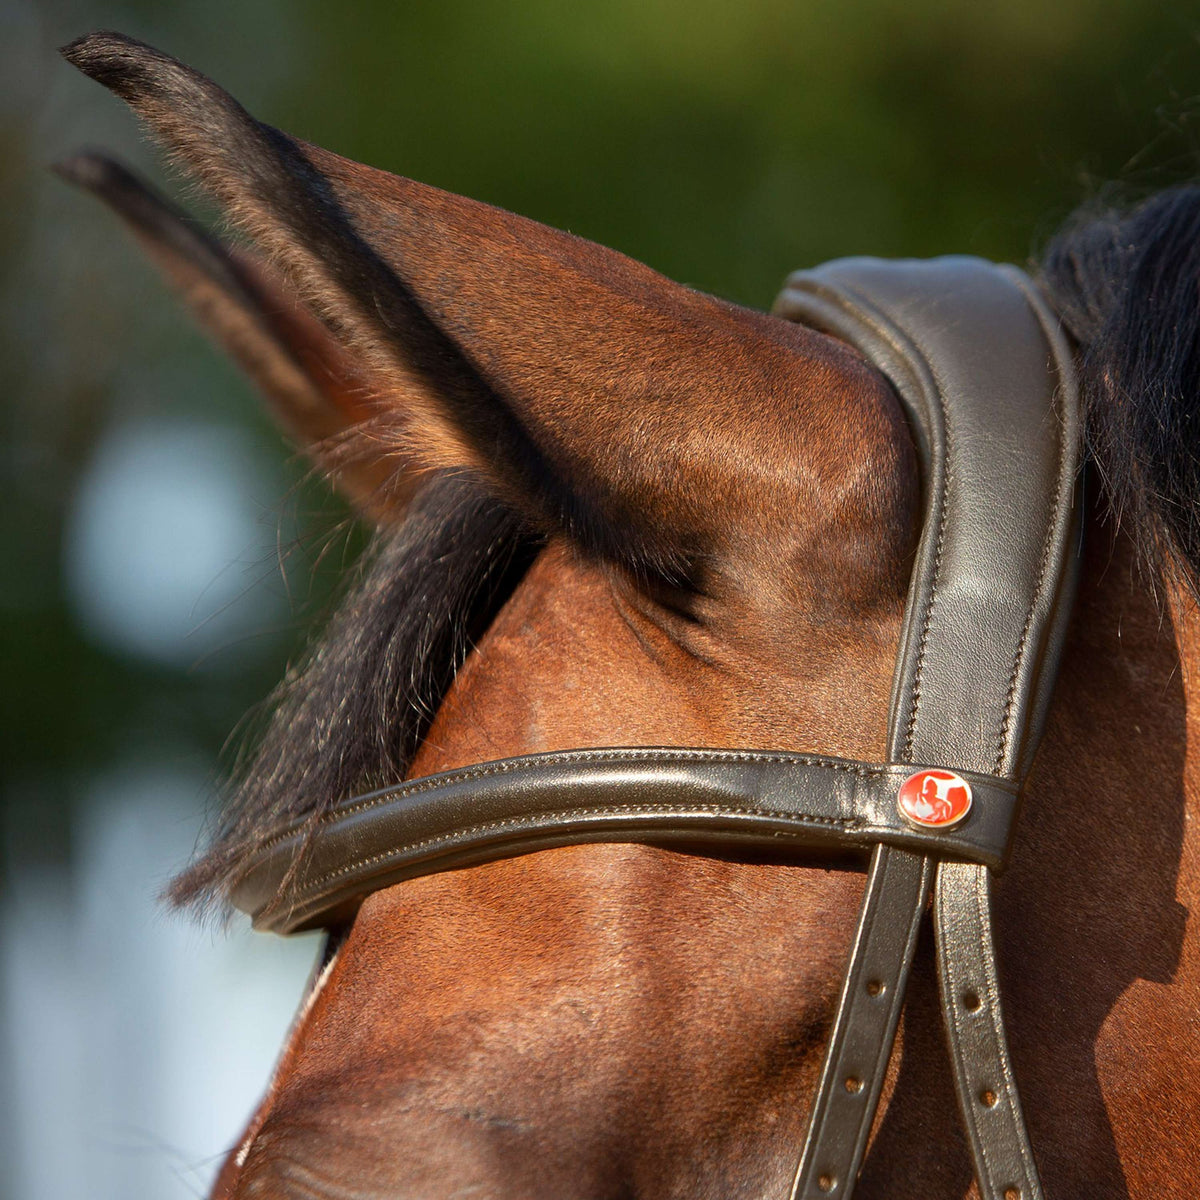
(612, 511)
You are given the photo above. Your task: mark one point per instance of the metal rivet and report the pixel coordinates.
(971, 1001)
(988, 1098)
(853, 1084)
(827, 1182)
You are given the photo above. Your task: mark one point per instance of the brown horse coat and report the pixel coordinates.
(727, 504)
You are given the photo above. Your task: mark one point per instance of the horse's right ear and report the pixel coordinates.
(655, 425)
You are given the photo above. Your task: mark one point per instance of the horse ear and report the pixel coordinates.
(313, 385)
(592, 393)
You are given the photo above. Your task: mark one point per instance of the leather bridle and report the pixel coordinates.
(988, 384)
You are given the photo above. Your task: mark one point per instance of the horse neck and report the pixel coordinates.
(1183, 608)
(1184, 617)
(1099, 970)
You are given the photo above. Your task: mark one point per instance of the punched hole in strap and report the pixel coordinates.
(875, 987)
(853, 1084)
(827, 1181)
(988, 1098)
(1012, 1193)
(971, 1001)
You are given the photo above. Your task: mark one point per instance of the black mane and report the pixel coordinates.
(350, 717)
(1127, 286)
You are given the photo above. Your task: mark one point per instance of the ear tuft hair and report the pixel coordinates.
(135, 71)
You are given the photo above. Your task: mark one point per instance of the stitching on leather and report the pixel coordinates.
(416, 787)
(958, 1033)
(852, 302)
(995, 1027)
(849, 1023)
(992, 1012)
(631, 810)
(943, 515)
(1005, 731)
(914, 708)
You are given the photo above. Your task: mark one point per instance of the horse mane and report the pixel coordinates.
(1126, 283)
(350, 716)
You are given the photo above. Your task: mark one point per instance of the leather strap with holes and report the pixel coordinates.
(864, 1026)
(988, 382)
(983, 1078)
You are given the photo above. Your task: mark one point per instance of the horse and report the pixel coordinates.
(612, 511)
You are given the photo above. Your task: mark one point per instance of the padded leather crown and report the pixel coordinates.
(988, 382)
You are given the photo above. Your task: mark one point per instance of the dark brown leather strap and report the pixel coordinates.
(970, 991)
(758, 800)
(864, 1025)
(988, 383)
(983, 1077)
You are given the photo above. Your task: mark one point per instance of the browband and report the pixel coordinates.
(987, 381)
(758, 800)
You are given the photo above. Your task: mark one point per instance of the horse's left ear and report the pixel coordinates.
(315, 388)
(653, 423)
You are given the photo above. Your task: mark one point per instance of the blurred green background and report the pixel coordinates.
(164, 552)
(723, 143)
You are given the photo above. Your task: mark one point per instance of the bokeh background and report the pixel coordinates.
(164, 553)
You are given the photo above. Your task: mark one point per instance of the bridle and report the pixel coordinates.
(988, 384)
(986, 378)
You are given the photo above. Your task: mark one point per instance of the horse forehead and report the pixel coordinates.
(574, 658)
(559, 666)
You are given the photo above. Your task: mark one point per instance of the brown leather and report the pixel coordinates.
(988, 382)
(699, 798)
(864, 1026)
(983, 1075)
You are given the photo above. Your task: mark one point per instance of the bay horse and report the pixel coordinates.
(612, 511)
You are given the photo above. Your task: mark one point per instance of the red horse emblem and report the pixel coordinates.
(934, 798)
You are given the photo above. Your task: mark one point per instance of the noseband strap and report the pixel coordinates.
(987, 382)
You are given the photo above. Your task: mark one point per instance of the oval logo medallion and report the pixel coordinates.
(934, 799)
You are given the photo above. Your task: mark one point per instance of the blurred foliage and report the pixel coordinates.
(725, 144)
